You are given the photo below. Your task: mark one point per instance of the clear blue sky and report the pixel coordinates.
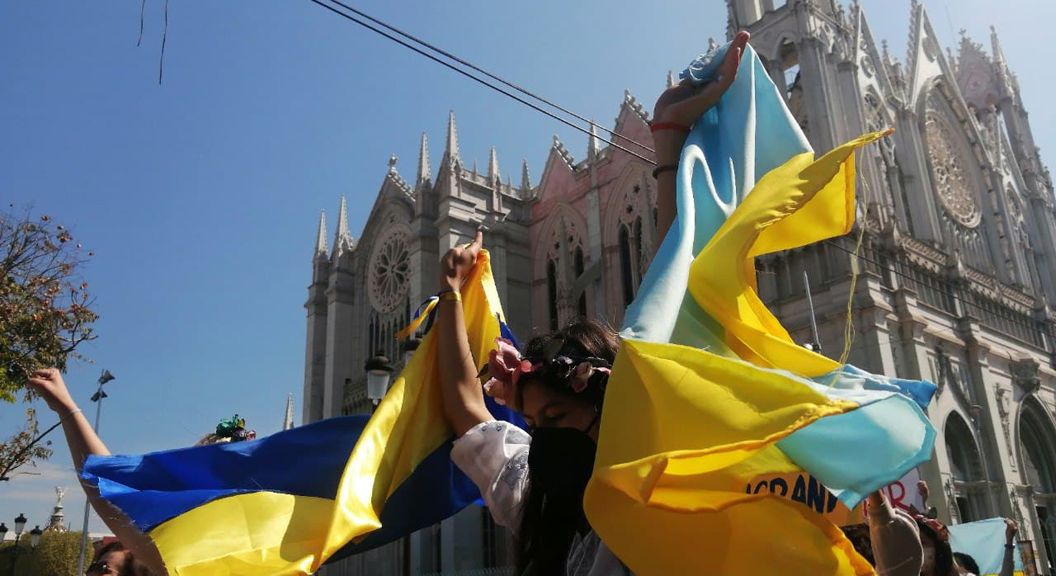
(200, 197)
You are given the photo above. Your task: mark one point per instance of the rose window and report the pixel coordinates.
(948, 164)
(389, 272)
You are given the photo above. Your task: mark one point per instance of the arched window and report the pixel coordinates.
(1037, 439)
(967, 471)
(626, 266)
(551, 292)
(580, 267)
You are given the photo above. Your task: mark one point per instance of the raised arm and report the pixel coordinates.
(1008, 561)
(463, 397)
(682, 105)
(83, 441)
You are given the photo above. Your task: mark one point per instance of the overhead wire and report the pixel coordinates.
(483, 71)
(566, 122)
(481, 80)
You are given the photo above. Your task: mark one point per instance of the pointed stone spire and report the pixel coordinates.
(451, 146)
(424, 171)
(670, 79)
(995, 46)
(320, 239)
(287, 421)
(526, 179)
(475, 170)
(593, 144)
(342, 236)
(493, 166)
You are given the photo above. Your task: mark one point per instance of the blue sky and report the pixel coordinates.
(200, 197)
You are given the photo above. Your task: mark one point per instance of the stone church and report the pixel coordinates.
(949, 273)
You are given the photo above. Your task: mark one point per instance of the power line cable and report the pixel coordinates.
(483, 71)
(577, 116)
(479, 80)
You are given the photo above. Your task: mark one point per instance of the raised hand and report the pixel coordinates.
(458, 262)
(684, 103)
(1010, 530)
(48, 384)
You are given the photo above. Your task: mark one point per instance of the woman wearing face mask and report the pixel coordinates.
(535, 484)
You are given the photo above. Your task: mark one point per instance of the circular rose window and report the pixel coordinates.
(948, 164)
(389, 271)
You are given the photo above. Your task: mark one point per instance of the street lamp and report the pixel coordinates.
(105, 377)
(20, 525)
(409, 346)
(34, 536)
(379, 373)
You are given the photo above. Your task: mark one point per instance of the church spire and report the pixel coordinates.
(526, 179)
(493, 166)
(451, 146)
(287, 421)
(670, 79)
(320, 239)
(423, 162)
(342, 237)
(593, 145)
(995, 46)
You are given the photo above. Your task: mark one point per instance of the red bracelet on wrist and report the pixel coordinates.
(656, 127)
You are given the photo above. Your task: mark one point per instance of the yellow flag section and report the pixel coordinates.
(282, 534)
(798, 203)
(686, 431)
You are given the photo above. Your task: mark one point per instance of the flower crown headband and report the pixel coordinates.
(506, 366)
(235, 429)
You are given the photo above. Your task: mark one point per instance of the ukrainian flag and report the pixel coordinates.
(984, 541)
(291, 502)
(713, 395)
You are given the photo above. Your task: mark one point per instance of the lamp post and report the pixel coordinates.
(105, 377)
(379, 373)
(20, 525)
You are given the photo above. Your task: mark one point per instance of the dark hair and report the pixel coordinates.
(585, 338)
(859, 536)
(967, 562)
(548, 527)
(129, 566)
(943, 552)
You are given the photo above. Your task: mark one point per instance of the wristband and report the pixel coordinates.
(1010, 546)
(665, 168)
(72, 412)
(658, 126)
(450, 295)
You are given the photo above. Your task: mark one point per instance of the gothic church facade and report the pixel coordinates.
(956, 269)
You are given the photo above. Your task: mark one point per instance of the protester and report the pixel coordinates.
(83, 441)
(966, 565)
(535, 484)
(113, 559)
(895, 539)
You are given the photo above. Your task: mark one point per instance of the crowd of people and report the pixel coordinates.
(534, 482)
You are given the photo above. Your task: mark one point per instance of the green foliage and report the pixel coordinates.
(56, 555)
(44, 308)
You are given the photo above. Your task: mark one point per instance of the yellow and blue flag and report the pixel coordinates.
(291, 502)
(712, 396)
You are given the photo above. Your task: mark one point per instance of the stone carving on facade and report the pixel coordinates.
(1004, 412)
(1025, 375)
(389, 271)
(948, 167)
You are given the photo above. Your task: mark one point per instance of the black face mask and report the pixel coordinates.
(561, 461)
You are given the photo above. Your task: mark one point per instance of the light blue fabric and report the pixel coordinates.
(746, 135)
(720, 163)
(984, 541)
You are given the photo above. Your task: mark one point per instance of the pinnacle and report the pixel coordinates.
(320, 238)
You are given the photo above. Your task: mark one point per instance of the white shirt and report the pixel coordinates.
(495, 456)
